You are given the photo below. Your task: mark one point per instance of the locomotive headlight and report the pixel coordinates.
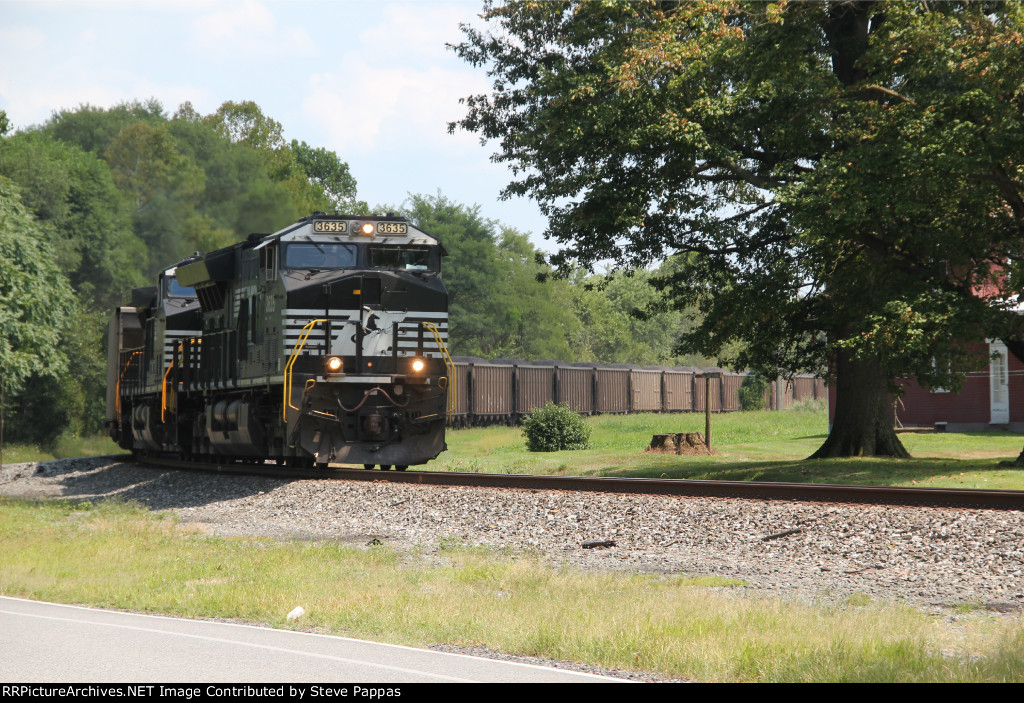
(418, 365)
(334, 364)
(367, 228)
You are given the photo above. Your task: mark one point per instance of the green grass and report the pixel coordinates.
(65, 447)
(751, 446)
(118, 555)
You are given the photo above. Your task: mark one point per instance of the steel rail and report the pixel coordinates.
(810, 492)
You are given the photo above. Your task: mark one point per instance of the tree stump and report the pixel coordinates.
(691, 443)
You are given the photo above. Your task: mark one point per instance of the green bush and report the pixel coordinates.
(555, 427)
(752, 392)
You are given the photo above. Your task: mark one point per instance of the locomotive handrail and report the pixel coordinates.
(163, 388)
(299, 344)
(117, 400)
(449, 364)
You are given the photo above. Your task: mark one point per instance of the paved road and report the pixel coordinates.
(46, 642)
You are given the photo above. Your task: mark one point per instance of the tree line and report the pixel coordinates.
(98, 200)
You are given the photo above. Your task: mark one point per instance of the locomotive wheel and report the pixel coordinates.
(385, 467)
(399, 467)
(367, 466)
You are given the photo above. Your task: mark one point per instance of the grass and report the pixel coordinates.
(64, 448)
(119, 555)
(751, 446)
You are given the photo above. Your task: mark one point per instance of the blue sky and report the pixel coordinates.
(372, 81)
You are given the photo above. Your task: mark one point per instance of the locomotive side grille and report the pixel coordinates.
(172, 338)
(295, 319)
(413, 337)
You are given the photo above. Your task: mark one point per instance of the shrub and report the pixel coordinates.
(555, 427)
(810, 405)
(752, 392)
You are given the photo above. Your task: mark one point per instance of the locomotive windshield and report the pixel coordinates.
(407, 258)
(319, 256)
(176, 290)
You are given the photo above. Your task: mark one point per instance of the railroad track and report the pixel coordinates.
(811, 492)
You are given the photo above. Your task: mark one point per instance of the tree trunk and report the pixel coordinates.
(863, 424)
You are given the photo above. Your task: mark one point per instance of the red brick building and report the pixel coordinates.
(990, 398)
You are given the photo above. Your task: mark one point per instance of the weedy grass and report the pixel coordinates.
(67, 446)
(118, 555)
(750, 446)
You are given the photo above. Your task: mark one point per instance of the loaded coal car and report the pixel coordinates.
(324, 342)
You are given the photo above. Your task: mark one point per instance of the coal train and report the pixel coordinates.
(324, 342)
(502, 391)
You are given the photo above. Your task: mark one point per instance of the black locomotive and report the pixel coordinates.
(322, 343)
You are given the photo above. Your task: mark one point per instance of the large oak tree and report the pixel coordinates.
(836, 181)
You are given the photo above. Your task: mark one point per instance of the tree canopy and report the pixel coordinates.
(837, 180)
(36, 302)
(105, 198)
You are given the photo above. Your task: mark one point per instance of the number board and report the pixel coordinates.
(392, 228)
(330, 226)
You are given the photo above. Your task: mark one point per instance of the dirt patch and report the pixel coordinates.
(691, 443)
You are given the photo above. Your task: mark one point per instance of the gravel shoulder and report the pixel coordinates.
(932, 558)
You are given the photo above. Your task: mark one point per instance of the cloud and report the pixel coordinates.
(398, 87)
(250, 28)
(19, 39)
(371, 108)
(420, 29)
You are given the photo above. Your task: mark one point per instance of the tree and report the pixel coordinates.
(534, 316)
(244, 123)
(163, 186)
(624, 319)
(842, 177)
(238, 194)
(93, 128)
(86, 220)
(37, 306)
(324, 168)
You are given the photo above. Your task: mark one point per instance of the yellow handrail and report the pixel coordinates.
(450, 365)
(303, 336)
(163, 389)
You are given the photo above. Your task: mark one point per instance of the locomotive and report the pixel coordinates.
(324, 342)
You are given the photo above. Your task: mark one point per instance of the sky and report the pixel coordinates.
(371, 81)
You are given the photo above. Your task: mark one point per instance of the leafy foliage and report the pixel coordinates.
(324, 168)
(85, 217)
(752, 391)
(838, 181)
(37, 310)
(554, 428)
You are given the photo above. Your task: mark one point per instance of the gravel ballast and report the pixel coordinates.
(803, 551)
